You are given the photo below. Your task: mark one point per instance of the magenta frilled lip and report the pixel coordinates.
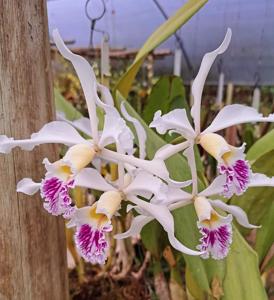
(215, 242)
(92, 244)
(237, 177)
(56, 197)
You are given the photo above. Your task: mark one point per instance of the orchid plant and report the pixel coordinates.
(144, 186)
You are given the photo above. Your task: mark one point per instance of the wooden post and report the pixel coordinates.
(32, 243)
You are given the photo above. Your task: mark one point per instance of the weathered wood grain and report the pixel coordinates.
(32, 243)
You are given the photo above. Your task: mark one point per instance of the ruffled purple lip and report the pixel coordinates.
(237, 177)
(215, 242)
(55, 193)
(92, 244)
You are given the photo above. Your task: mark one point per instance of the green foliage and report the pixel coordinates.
(161, 34)
(258, 202)
(167, 94)
(261, 147)
(242, 280)
(62, 105)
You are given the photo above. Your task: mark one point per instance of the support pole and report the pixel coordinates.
(32, 243)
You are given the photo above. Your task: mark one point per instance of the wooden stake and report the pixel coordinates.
(32, 243)
(229, 93)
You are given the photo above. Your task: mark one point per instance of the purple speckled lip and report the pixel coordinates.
(55, 193)
(215, 242)
(237, 177)
(92, 244)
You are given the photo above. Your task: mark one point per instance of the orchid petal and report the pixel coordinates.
(175, 195)
(105, 94)
(258, 179)
(87, 78)
(156, 166)
(199, 81)
(135, 228)
(115, 129)
(145, 184)
(168, 150)
(81, 216)
(236, 211)
(189, 154)
(82, 124)
(176, 120)
(216, 187)
(162, 214)
(236, 114)
(53, 132)
(92, 179)
(28, 186)
(140, 131)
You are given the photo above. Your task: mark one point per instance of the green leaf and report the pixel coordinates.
(167, 94)
(155, 242)
(258, 202)
(160, 35)
(261, 147)
(242, 280)
(265, 235)
(62, 105)
(71, 113)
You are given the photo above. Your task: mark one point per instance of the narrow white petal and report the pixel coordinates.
(145, 184)
(140, 131)
(216, 187)
(162, 214)
(199, 81)
(28, 186)
(53, 132)
(115, 129)
(105, 94)
(82, 124)
(91, 178)
(236, 114)
(258, 179)
(176, 121)
(135, 228)
(168, 150)
(87, 78)
(156, 166)
(176, 194)
(189, 154)
(236, 211)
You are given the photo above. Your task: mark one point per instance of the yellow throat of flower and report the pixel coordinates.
(216, 146)
(80, 156)
(109, 203)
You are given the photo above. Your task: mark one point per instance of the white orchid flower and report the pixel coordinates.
(231, 160)
(60, 174)
(216, 229)
(93, 222)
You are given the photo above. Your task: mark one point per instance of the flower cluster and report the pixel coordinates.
(145, 185)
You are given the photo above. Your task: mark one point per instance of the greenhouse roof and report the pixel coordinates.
(250, 56)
